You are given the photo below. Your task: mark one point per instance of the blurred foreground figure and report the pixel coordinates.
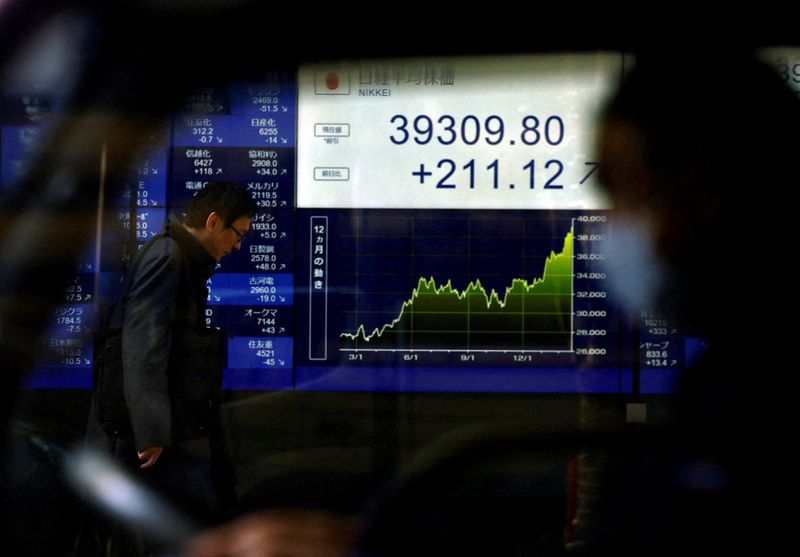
(279, 533)
(698, 154)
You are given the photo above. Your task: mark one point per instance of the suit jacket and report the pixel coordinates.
(171, 362)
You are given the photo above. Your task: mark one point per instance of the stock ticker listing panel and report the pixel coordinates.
(425, 225)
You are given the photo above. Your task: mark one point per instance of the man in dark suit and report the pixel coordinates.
(167, 415)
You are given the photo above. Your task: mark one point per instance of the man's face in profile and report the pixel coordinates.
(223, 239)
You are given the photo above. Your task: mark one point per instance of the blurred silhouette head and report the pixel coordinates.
(697, 153)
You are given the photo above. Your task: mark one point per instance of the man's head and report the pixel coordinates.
(219, 217)
(701, 159)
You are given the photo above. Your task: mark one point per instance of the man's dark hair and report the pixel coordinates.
(227, 199)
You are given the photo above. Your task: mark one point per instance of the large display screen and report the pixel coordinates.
(425, 225)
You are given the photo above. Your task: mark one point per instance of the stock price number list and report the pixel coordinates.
(660, 343)
(256, 310)
(67, 339)
(549, 132)
(252, 298)
(147, 183)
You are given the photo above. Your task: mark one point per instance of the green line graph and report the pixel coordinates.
(530, 315)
